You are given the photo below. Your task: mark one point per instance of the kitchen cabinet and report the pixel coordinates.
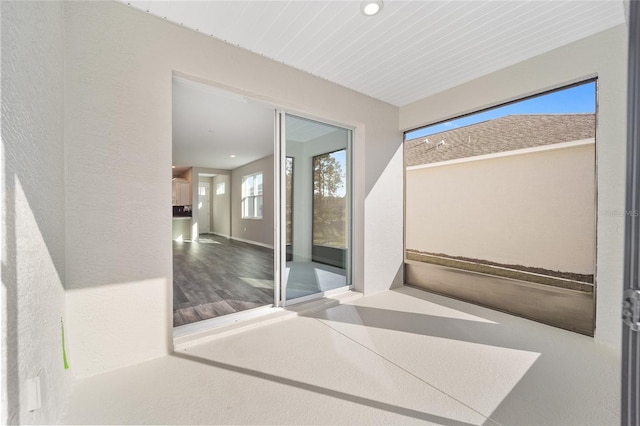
(181, 192)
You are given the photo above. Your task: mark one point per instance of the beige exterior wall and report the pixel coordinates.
(533, 209)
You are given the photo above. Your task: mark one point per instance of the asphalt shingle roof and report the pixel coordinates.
(502, 134)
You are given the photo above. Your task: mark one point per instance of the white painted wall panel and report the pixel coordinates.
(112, 326)
(33, 201)
(603, 55)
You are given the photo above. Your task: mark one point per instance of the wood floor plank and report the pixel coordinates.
(218, 276)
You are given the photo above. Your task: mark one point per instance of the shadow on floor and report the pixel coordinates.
(324, 391)
(560, 379)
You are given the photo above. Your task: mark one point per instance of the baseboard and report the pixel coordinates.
(220, 235)
(255, 243)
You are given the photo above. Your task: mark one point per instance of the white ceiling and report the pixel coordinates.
(209, 125)
(411, 50)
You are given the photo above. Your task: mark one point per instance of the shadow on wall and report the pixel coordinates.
(33, 219)
(32, 271)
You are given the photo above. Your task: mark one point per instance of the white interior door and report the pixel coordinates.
(204, 215)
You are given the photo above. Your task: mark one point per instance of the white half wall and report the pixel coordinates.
(33, 203)
(603, 55)
(119, 66)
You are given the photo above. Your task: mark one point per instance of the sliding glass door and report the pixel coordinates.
(315, 208)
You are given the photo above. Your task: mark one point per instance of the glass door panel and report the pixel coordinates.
(316, 207)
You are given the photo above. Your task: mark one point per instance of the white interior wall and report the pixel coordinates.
(258, 231)
(33, 203)
(119, 66)
(603, 55)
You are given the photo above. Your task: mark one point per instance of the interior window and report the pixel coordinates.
(252, 196)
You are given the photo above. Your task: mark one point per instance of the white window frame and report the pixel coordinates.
(252, 196)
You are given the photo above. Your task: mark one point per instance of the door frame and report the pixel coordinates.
(356, 159)
(200, 231)
(630, 381)
(280, 238)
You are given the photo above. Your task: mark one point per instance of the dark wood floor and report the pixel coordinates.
(218, 276)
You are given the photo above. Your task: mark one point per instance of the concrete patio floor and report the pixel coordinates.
(400, 357)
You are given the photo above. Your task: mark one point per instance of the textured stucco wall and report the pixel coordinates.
(603, 55)
(33, 202)
(118, 72)
(535, 209)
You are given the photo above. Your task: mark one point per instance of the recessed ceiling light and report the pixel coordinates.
(370, 7)
(173, 167)
(232, 156)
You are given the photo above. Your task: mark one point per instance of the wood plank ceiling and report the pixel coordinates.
(410, 50)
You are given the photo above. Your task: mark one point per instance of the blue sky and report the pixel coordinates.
(577, 99)
(341, 156)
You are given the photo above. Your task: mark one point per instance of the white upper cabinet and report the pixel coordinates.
(180, 192)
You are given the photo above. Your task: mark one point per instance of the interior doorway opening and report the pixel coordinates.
(223, 258)
(263, 221)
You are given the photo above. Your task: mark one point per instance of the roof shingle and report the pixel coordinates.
(502, 134)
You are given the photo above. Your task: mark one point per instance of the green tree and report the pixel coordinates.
(327, 175)
(329, 203)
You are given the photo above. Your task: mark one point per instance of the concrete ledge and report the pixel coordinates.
(560, 307)
(500, 271)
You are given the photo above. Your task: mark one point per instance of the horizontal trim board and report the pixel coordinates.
(255, 243)
(221, 235)
(568, 309)
(524, 151)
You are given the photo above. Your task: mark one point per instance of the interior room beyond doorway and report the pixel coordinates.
(222, 258)
(226, 183)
